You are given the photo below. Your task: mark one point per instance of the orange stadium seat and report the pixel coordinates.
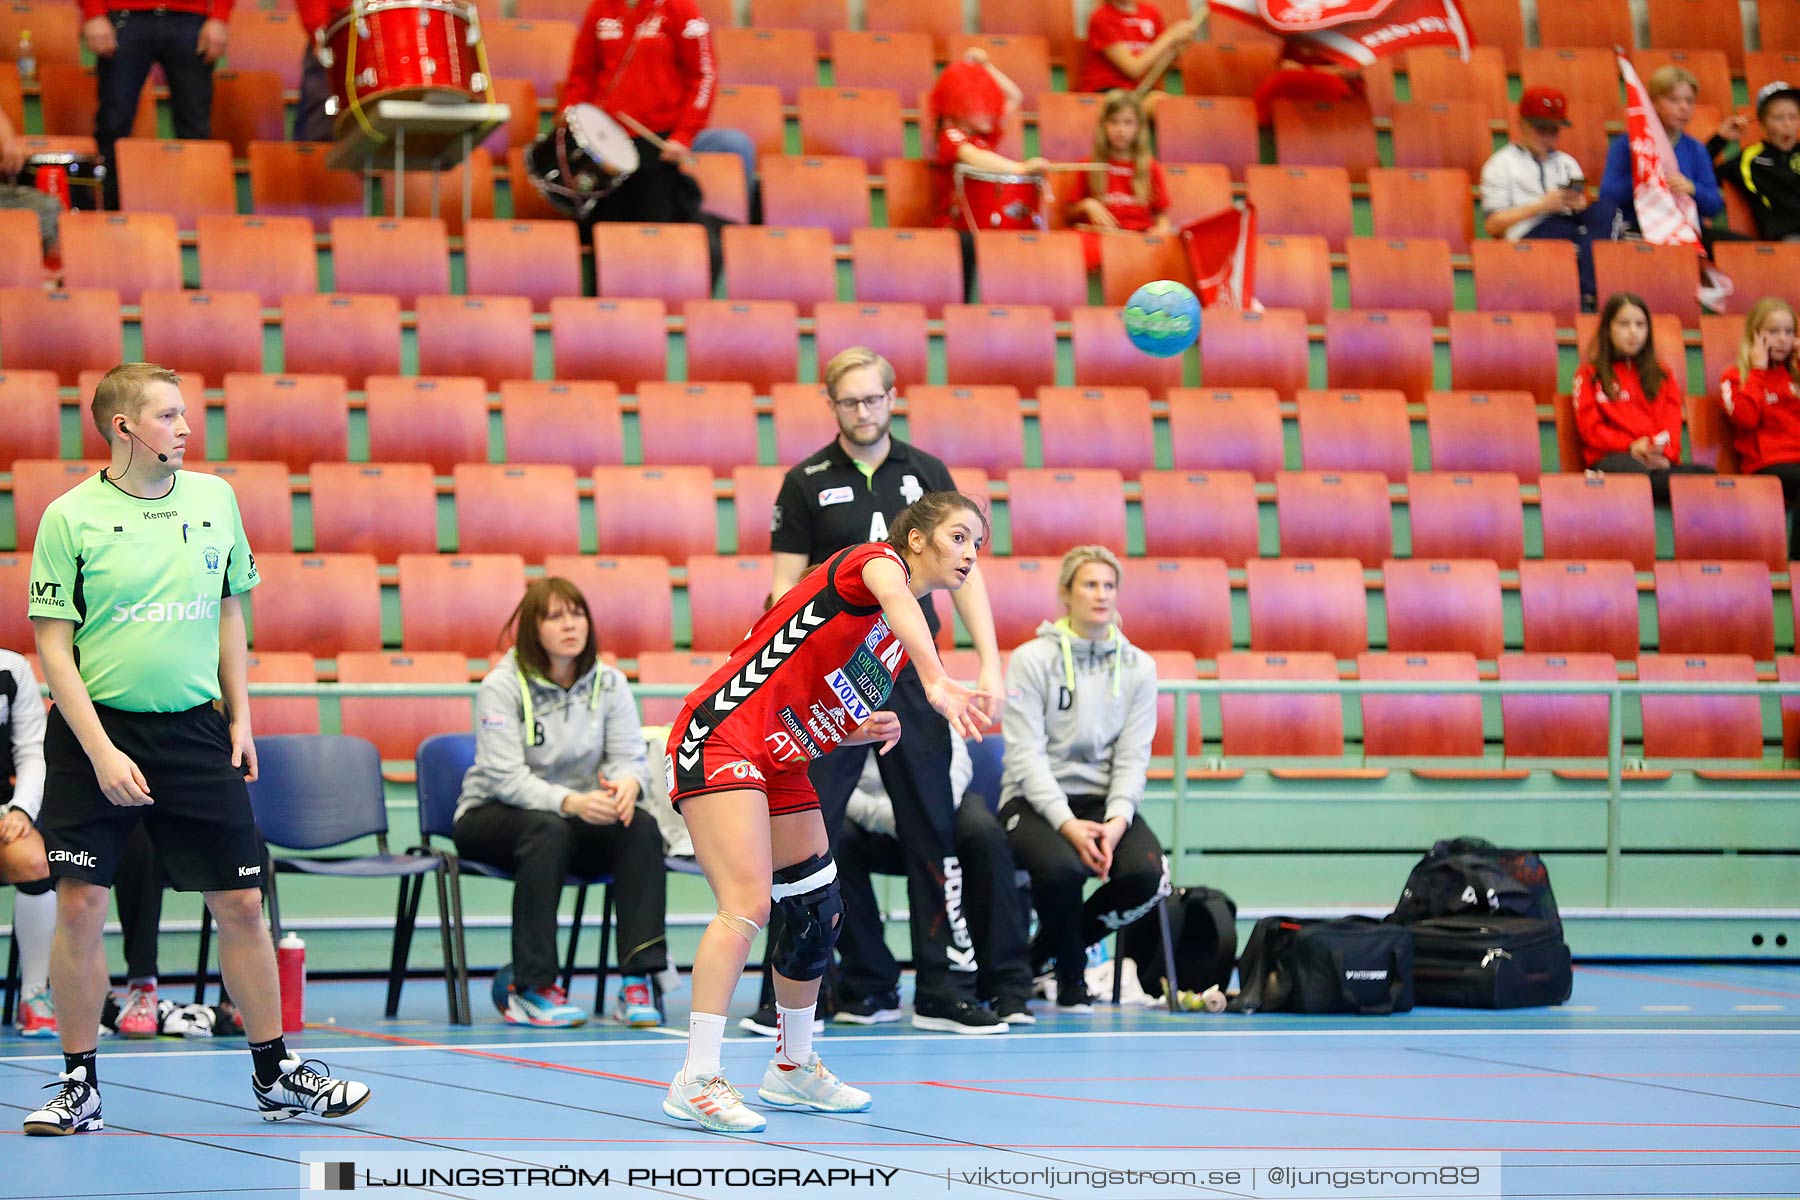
(534, 50)
(1097, 427)
(1172, 665)
(938, 18)
(982, 421)
(207, 333)
(1293, 271)
(1763, 67)
(1285, 725)
(1712, 67)
(1603, 23)
(530, 510)
(1227, 429)
(1052, 22)
(1295, 200)
(753, 340)
(883, 59)
(264, 40)
(1178, 604)
(1757, 269)
(440, 420)
(55, 30)
(181, 178)
(1484, 431)
(1422, 203)
(1550, 726)
(1787, 669)
(753, 494)
(129, 253)
(33, 416)
(906, 190)
(1439, 73)
(1730, 516)
(265, 501)
(1208, 129)
(895, 331)
(319, 604)
(69, 97)
(754, 110)
(786, 59)
(271, 256)
(355, 336)
(1695, 726)
(663, 262)
(708, 424)
(1196, 190)
(626, 630)
(458, 602)
(407, 256)
(527, 203)
(398, 724)
(803, 421)
(1467, 515)
(539, 260)
(923, 266)
(1025, 58)
(1327, 133)
(36, 482)
(383, 509)
(765, 263)
(725, 597)
(667, 511)
(1105, 357)
(521, 129)
(1503, 352)
(21, 249)
(1695, 24)
(293, 419)
(1665, 276)
(1013, 344)
(293, 179)
(279, 714)
(489, 337)
(1401, 273)
(827, 191)
(1598, 516)
(859, 122)
(1526, 276)
(1200, 514)
(1256, 350)
(1127, 263)
(1052, 510)
(1307, 604)
(1226, 68)
(1420, 724)
(1443, 604)
(575, 423)
(1715, 607)
(687, 668)
(15, 577)
(1324, 513)
(1022, 592)
(65, 331)
(618, 340)
(1380, 349)
(1031, 268)
(819, 16)
(1355, 431)
(1573, 607)
(1066, 122)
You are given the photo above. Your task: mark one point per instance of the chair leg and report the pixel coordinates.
(456, 977)
(406, 914)
(11, 983)
(1168, 951)
(606, 923)
(1118, 962)
(568, 973)
(203, 968)
(453, 884)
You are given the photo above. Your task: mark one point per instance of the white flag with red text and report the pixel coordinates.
(1353, 33)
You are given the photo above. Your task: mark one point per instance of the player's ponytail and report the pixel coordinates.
(928, 512)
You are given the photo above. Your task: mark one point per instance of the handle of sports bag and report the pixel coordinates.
(1395, 985)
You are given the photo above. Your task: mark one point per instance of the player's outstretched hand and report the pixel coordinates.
(967, 711)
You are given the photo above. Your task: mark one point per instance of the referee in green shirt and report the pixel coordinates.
(136, 598)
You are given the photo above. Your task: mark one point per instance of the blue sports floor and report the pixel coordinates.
(1655, 1081)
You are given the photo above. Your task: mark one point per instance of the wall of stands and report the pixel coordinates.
(1372, 476)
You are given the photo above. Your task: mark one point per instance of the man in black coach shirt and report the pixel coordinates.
(842, 496)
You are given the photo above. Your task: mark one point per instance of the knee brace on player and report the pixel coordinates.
(744, 927)
(807, 894)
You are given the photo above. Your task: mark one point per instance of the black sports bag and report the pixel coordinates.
(1490, 962)
(1346, 964)
(1474, 877)
(1203, 931)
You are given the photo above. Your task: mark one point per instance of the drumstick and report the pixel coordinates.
(1164, 61)
(1075, 166)
(638, 128)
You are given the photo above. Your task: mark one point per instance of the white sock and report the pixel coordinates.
(706, 1033)
(34, 924)
(793, 1036)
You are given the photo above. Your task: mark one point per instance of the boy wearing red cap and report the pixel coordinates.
(1530, 189)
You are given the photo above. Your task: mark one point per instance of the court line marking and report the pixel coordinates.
(1678, 981)
(1596, 1075)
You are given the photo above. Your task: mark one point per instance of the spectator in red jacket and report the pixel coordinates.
(1126, 41)
(128, 37)
(1761, 396)
(1627, 406)
(1131, 194)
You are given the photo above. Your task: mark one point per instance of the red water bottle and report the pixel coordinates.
(290, 962)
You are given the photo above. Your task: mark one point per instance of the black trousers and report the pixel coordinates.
(1624, 464)
(146, 38)
(138, 893)
(1066, 925)
(311, 122)
(1789, 474)
(996, 914)
(542, 849)
(916, 774)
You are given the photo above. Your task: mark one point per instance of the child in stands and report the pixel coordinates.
(1627, 404)
(1131, 195)
(1761, 396)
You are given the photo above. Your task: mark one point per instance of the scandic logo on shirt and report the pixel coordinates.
(200, 608)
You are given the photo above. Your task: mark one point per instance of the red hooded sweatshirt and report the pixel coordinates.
(1765, 416)
(1610, 423)
(652, 61)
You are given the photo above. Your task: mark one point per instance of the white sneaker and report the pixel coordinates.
(74, 1109)
(712, 1104)
(812, 1086)
(303, 1087)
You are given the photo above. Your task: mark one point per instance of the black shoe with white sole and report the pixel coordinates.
(954, 1016)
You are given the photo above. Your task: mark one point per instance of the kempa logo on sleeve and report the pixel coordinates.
(200, 608)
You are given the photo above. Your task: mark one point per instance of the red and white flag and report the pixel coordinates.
(1221, 249)
(1353, 33)
(1664, 218)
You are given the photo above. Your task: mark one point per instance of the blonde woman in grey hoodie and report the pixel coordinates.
(1080, 715)
(559, 766)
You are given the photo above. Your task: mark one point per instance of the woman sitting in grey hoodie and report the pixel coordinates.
(1080, 715)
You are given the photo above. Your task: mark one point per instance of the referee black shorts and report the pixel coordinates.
(200, 821)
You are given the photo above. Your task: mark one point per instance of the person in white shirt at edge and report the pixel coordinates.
(1080, 716)
(560, 763)
(22, 861)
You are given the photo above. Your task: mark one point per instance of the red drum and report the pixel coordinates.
(988, 201)
(402, 50)
(74, 179)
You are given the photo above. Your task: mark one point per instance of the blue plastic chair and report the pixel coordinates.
(317, 791)
(442, 761)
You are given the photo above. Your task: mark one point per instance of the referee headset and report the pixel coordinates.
(125, 429)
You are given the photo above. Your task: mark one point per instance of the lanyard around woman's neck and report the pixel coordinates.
(529, 718)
